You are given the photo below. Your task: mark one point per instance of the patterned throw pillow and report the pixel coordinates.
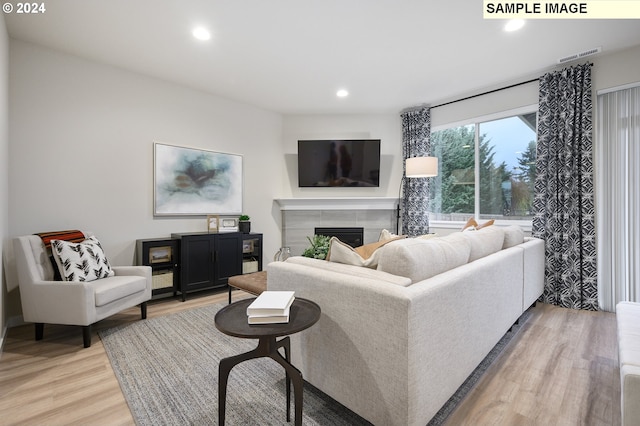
(83, 261)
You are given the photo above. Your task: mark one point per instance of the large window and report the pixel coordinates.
(486, 169)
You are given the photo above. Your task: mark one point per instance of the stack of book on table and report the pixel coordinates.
(271, 307)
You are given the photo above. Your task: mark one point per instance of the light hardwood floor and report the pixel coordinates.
(560, 369)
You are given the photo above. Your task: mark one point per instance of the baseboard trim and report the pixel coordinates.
(14, 321)
(4, 333)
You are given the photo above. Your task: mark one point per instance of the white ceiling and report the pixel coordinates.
(291, 56)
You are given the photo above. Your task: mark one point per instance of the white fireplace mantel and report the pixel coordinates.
(338, 203)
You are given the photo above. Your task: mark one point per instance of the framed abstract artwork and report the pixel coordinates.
(196, 182)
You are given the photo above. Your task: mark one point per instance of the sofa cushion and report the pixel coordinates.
(117, 287)
(484, 241)
(513, 235)
(350, 270)
(84, 261)
(419, 259)
(366, 255)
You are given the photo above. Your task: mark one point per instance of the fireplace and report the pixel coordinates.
(301, 217)
(352, 236)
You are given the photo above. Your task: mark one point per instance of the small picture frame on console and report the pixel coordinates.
(228, 224)
(213, 223)
(247, 246)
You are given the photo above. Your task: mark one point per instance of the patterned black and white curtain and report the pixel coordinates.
(564, 214)
(416, 132)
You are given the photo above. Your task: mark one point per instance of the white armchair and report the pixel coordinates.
(74, 303)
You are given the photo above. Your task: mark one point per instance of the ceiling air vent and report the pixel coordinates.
(580, 55)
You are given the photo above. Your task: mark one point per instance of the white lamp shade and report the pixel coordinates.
(421, 167)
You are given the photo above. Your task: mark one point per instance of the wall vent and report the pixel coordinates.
(580, 55)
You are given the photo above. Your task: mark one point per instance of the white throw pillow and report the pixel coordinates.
(83, 261)
(484, 241)
(385, 235)
(513, 235)
(366, 255)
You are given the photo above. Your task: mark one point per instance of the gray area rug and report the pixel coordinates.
(168, 371)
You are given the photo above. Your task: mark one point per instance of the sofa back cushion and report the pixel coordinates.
(484, 241)
(513, 235)
(419, 259)
(350, 270)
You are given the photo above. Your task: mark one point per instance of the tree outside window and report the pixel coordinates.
(503, 180)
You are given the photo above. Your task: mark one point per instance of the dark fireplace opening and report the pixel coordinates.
(351, 236)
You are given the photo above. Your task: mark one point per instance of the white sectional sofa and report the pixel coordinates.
(628, 322)
(395, 342)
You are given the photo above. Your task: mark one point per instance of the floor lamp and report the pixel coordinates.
(416, 167)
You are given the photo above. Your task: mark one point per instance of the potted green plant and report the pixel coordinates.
(319, 247)
(244, 224)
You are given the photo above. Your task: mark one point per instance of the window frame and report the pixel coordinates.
(526, 225)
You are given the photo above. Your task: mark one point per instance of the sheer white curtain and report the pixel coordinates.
(618, 192)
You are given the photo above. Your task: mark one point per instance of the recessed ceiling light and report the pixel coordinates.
(342, 93)
(514, 25)
(201, 33)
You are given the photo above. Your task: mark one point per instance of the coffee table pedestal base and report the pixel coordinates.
(267, 347)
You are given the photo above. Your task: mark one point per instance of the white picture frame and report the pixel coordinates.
(228, 224)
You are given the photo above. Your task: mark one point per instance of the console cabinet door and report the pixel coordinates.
(197, 255)
(228, 258)
(208, 260)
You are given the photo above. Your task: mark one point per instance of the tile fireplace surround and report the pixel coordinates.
(300, 217)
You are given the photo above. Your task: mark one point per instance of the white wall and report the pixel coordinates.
(82, 138)
(616, 69)
(4, 168)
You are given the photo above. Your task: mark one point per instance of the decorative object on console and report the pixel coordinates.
(189, 181)
(416, 167)
(319, 247)
(228, 224)
(213, 222)
(244, 223)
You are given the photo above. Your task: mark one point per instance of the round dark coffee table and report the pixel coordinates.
(232, 320)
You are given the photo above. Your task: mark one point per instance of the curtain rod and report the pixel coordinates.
(492, 91)
(486, 93)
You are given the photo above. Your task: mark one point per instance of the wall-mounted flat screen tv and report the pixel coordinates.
(339, 163)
